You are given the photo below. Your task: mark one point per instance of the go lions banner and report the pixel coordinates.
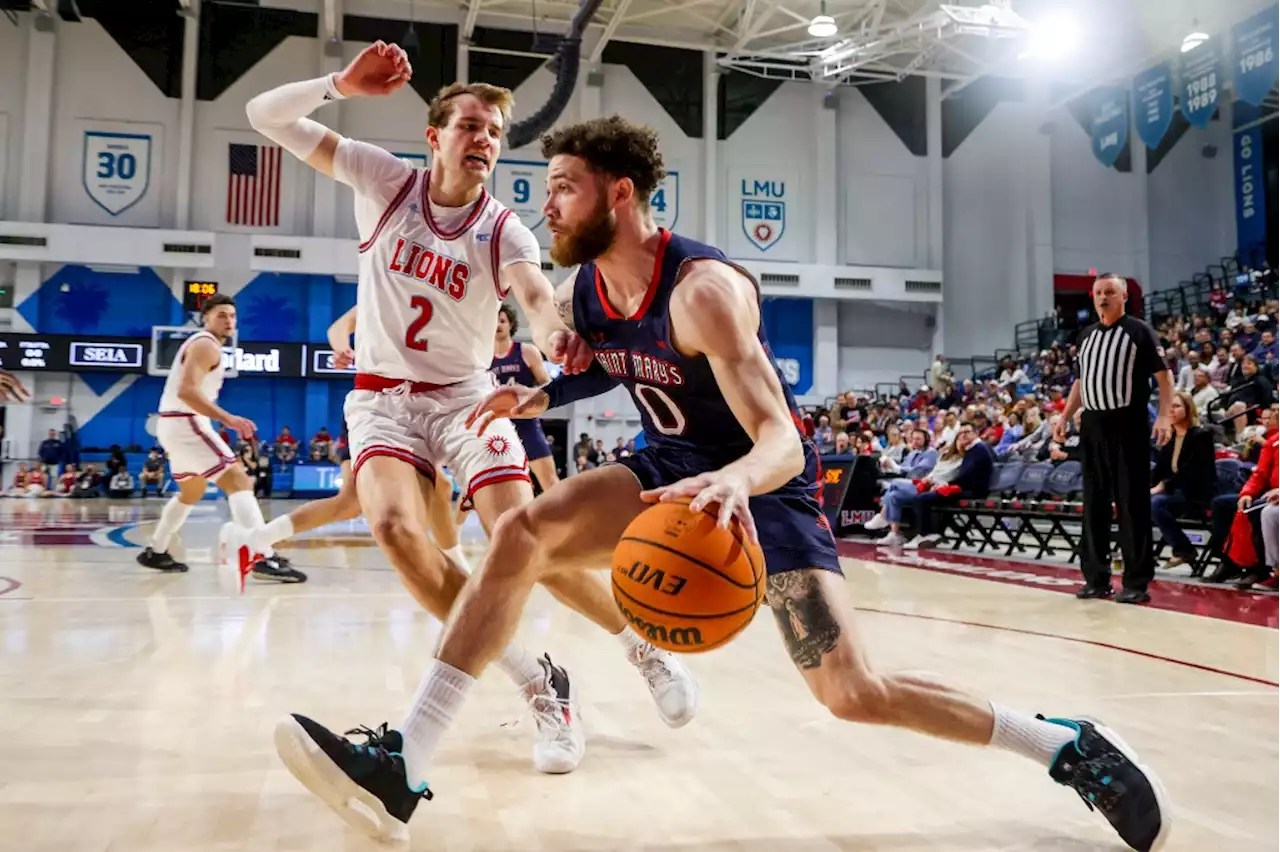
(1256, 63)
(1202, 82)
(1153, 103)
(1110, 129)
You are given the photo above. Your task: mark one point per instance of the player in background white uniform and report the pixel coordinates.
(345, 505)
(198, 455)
(438, 254)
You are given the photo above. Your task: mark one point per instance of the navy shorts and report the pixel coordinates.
(533, 438)
(794, 533)
(344, 452)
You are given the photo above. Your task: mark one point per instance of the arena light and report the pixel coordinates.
(1052, 38)
(1194, 39)
(823, 25)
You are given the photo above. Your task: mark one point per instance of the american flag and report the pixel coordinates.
(253, 185)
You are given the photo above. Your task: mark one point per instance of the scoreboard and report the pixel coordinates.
(197, 293)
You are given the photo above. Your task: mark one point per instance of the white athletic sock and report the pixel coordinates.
(246, 512)
(457, 557)
(633, 644)
(1028, 736)
(521, 666)
(439, 696)
(171, 518)
(277, 529)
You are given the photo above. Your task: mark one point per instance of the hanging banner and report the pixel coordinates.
(1250, 181)
(1255, 56)
(521, 185)
(1110, 124)
(1153, 103)
(1201, 71)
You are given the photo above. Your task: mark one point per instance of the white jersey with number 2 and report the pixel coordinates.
(429, 288)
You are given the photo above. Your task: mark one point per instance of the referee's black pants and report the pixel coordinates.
(1116, 457)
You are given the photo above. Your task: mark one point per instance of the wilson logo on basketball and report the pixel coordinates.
(646, 575)
(673, 637)
(497, 445)
(678, 526)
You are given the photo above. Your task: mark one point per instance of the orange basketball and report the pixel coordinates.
(684, 583)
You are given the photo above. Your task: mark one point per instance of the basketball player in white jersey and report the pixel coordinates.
(345, 505)
(438, 255)
(198, 455)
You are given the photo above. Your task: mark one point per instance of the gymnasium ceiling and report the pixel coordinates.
(958, 41)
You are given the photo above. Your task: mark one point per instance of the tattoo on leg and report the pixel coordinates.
(804, 617)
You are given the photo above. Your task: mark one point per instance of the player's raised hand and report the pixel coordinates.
(570, 351)
(511, 401)
(721, 488)
(12, 390)
(379, 69)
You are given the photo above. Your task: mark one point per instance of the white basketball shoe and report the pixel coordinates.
(674, 690)
(553, 699)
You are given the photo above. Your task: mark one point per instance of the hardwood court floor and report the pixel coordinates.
(136, 712)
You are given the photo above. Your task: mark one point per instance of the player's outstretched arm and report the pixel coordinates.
(542, 304)
(280, 114)
(533, 360)
(339, 337)
(203, 356)
(715, 311)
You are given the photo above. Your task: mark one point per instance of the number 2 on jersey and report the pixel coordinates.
(422, 305)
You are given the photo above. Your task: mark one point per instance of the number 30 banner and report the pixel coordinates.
(118, 159)
(1255, 56)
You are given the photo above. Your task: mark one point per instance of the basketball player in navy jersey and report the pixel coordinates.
(521, 364)
(678, 324)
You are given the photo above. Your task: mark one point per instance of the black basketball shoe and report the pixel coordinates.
(1105, 771)
(277, 569)
(364, 784)
(160, 561)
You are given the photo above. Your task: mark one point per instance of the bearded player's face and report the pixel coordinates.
(582, 225)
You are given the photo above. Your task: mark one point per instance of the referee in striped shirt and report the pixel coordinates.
(1117, 358)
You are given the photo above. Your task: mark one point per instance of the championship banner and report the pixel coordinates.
(522, 186)
(761, 201)
(1201, 72)
(664, 204)
(1153, 103)
(1255, 59)
(1250, 179)
(119, 174)
(1110, 129)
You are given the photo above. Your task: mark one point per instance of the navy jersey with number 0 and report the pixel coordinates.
(688, 426)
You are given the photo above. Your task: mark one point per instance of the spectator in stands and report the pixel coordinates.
(939, 376)
(1251, 389)
(843, 444)
(1266, 349)
(1202, 391)
(1186, 374)
(894, 446)
(824, 436)
(1012, 434)
(50, 453)
(286, 446)
(321, 445)
(116, 461)
(971, 478)
(1248, 337)
(1264, 484)
(916, 463)
(121, 484)
(584, 462)
(1185, 478)
(153, 472)
(1220, 367)
(583, 447)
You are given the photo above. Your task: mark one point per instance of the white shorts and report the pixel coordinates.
(192, 446)
(428, 429)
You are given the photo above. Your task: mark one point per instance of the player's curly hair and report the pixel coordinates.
(440, 110)
(615, 147)
(512, 319)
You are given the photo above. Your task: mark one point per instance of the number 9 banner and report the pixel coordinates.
(522, 186)
(1255, 56)
(1202, 82)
